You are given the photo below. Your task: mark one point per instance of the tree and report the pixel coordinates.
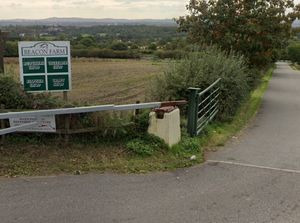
(294, 53)
(255, 28)
(152, 46)
(88, 41)
(118, 45)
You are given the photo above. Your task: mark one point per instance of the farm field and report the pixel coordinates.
(106, 81)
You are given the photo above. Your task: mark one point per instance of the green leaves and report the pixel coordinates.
(200, 69)
(294, 53)
(12, 96)
(255, 28)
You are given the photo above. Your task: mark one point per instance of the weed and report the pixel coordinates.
(146, 145)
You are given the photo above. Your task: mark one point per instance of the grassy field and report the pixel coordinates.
(99, 81)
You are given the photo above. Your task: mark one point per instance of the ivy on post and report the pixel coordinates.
(192, 111)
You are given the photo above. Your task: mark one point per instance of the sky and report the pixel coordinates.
(129, 9)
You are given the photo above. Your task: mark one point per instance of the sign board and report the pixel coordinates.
(45, 66)
(46, 123)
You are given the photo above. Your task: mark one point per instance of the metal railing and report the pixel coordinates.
(203, 107)
(77, 110)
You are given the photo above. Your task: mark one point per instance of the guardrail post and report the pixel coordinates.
(2, 126)
(67, 120)
(67, 128)
(192, 111)
(137, 111)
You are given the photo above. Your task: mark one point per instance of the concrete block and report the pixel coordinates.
(167, 128)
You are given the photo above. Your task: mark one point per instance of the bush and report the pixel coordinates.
(141, 121)
(294, 53)
(170, 54)
(105, 53)
(200, 69)
(11, 49)
(12, 96)
(119, 46)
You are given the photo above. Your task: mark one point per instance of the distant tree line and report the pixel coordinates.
(105, 41)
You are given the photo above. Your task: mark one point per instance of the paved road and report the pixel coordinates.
(254, 179)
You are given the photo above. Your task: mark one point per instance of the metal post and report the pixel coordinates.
(192, 111)
(2, 126)
(67, 120)
(137, 111)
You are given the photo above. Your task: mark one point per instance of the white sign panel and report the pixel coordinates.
(45, 66)
(45, 123)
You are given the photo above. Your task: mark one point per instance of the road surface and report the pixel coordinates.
(253, 179)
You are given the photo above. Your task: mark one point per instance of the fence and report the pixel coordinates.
(72, 111)
(203, 107)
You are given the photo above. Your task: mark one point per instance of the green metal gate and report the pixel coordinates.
(203, 107)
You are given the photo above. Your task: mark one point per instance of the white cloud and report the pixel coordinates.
(92, 8)
(134, 9)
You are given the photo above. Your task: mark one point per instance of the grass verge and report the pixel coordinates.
(295, 66)
(31, 156)
(217, 134)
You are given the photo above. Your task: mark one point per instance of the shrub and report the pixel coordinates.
(152, 47)
(119, 46)
(254, 77)
(142, 121)
(294, 53)
(169, 54)
(105, 53)
(12, 96)
(200, 69)
(11, 49)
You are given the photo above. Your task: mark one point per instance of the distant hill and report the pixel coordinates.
(87, 22)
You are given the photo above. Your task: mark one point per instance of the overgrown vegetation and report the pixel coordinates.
(146, 145)
(12, 96)
(35, 156)
(218, 133)
(200, 69)
(294, 52)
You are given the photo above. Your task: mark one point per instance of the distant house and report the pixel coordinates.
(22, 35)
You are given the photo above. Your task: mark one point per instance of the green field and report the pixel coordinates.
(105, 81)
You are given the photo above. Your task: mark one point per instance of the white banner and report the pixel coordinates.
(45, 123)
